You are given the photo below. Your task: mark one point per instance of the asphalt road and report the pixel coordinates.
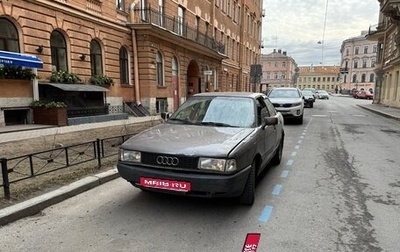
(337, 189)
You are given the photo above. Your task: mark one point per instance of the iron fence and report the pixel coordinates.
(31, 165)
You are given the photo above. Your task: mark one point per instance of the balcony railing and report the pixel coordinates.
(177, 26)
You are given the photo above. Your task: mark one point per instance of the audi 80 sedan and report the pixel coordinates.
(213, 145)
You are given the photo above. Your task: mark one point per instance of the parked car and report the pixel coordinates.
(288, 101)
(214, 145)
(363, 95)
(308, 98)
(313, 90)
(322, 94)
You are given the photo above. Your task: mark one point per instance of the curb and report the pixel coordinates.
(37, 204)
(388, 115)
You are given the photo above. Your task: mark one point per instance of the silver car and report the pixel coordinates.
(288, 101)
(214, 145)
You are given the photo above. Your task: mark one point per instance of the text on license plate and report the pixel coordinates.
(165, 184)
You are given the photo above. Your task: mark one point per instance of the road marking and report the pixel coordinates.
(300, 141)
(297, 147)
(266, 213)
(277, 190)
(284, 174)
(289, 162)
(319, 115)
(294, 154)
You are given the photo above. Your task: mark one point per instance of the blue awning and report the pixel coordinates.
(19, 59)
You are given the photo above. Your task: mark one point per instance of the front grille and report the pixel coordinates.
(185, 162)
(285, 105)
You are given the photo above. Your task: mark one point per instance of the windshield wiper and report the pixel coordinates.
(180, 120)
(217, 124)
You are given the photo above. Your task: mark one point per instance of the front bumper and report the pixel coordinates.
(202, 185)
(293, 112)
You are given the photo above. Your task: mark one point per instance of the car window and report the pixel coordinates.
(270, 107)
(216, 111)
(280, 93)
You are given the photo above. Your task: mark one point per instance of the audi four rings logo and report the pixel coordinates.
(164, 160)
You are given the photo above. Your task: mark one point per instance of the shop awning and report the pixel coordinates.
(19, 59)
(77, 87)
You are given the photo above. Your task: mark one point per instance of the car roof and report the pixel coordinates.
(230, 94)
(285, 88)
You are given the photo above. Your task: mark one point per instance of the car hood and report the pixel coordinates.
(285, 100)
(191, 140)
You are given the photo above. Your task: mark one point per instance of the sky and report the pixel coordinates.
(312, 31)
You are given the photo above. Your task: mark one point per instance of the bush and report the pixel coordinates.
(13, 72)
(64, 77)
(47, 104)
(101, 80)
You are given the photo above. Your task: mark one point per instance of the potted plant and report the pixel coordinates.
(16, 73)
(101, 80)
(49, 112)
(64, 77)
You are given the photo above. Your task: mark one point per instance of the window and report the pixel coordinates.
(347, 52)
(356, 50)
(58, 51)
(355, 64)
(363, 77)
(365, 49)
(96, 59)
(159, 70)
(364, 64)
(372, 77)
(374, 49)
(181, 20)
(120, 5)
(174, 66)
(124, 65)
(354, 78)
(373, 62)
(161, 105)
(228, 2)
(283, 64)
(8, 36)
(143, 6)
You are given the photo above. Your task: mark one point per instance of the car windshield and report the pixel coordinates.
(306, 92)
(216, 111)
(282, 93)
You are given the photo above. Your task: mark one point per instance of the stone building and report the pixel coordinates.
(158, 52)
(386, 34)
(319, 77)
(358, 57)
(278, 70)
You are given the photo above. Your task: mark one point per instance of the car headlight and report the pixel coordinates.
(227, 165)
(296, 104)
(129, 155)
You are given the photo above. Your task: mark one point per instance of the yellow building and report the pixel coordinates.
(319, 77)
(158, 52)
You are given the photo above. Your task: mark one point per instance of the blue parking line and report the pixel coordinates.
(266, 213)
(284, 174)
(290, 162)
(277, 190)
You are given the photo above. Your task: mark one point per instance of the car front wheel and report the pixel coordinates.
(248, 195)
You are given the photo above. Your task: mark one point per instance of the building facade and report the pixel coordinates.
(358, 61)
(158, 52)
(278, 70)
(387, 68)
(319, 77)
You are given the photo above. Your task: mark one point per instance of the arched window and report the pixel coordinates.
(372, 77)
(96, 59)
(363, 77)
(58, 49)
(8, 36)
(159, 69)
(124, 65)
(354, 78)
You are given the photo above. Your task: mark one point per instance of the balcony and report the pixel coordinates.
(376, 31)
(175, 26)
(391, 8)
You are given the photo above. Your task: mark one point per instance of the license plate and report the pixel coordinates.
(165, 184)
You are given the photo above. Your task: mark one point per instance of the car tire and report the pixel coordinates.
(300, 120)
(311, 105)
(276, 160)
(248, 195)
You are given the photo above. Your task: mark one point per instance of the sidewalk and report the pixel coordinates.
(35, 205)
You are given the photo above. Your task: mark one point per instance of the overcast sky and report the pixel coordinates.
(296, 26)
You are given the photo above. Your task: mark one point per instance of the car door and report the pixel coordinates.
(269, 134)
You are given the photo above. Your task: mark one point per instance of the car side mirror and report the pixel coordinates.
(270, 121)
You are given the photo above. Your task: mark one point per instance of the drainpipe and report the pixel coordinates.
(135, 58)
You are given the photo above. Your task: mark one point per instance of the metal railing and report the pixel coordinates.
(86, 111)
(28, 166)
(177, 26)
